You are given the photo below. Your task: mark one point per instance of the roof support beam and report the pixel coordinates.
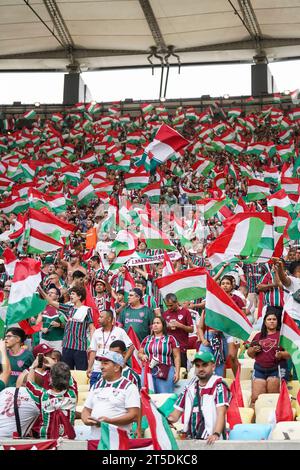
(153, 25)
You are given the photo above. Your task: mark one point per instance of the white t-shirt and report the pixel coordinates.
(290, 305)
(28, 411)
(111, 402)
(101, 341)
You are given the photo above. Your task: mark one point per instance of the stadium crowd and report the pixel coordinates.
(103, 226)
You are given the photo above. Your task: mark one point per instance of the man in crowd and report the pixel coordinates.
(114, 399)
(136, 315)
(204, 402)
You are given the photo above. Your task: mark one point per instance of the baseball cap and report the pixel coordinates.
(204, 356)
(42, 349)
(100, 280)
(112, 356)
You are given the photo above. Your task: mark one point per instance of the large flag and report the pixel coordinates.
(46, 222)
(248, 234)
(39, 243)
(23, 300)
(290, 340)
(211, 206)
(187, 285)
(222, 313)
(280, 199)
(290, 185)
(137, 180)
(113, 438)
(162, 436)
(166, 142)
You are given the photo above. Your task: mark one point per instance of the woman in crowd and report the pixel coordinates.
(162, 353)
(270, 359)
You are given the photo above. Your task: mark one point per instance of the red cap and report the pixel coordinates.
(42, 349)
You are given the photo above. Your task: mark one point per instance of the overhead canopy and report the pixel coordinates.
(93, 35)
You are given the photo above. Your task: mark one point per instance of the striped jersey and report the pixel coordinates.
(275, 296)
(123, 383)
(75, 335)
(160, 347)
(103, 302)
(48, 403)
(253, 273)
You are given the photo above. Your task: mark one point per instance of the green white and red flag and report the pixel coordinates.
(57, 117)
(290, 339)
(125, 240)
(168, 267)
(31, 114)
(295, 114)
(152, 191)
(290, 185)
(234, 113)
(235, 148)
(162, 436)
(280, 199)
(203, 167)
(147, 108)
(248, 234)
(167, 141)
(222, 313)
(136, 362)
(46, 222)
(105, 187)
(154, 237)
(256, 148)
(137, 180)
(187, 285)
(270, 175)
(257, 189)
(286, 151)
(39, 243)
(23, 301)
(89, 158)
(211, 206)
(84, 193)
(14, 205)
(219, 181)
(10, 261)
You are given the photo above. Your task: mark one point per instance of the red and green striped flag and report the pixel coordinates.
(84, 193)
(257, 189)
(152, 191)
(187, 285)
(222, 313)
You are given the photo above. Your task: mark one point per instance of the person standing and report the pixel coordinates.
(136, 315)
(52, 327)
(101, 341)
(179, 324)
(114, 399)
(19, 356)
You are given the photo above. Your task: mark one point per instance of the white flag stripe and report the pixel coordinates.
(25, 288)
(184, 283)
(290, 334)
(216, 305)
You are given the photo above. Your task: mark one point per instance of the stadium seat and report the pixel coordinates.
(266, 400)
(190, 354)
(82, 397)
(247, 415)
(80, 377)
(246, 397)
(250, 432)
(246, 373)
(246, 362)
(83, 388)
(286, 430)
(266, 414)
(246, 385)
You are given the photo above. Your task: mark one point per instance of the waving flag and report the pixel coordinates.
(46, 222)
(23, 300)
(222, 313)
(280, 199)
(39, 243)
(257, 190)
(136, 362)
(187, 285)
(152, 191)
(168, 267)
(290, 340)
(211, 206)
(10, 261)
(166, 142)
(246, 234)
(290, 185)
(84, 193)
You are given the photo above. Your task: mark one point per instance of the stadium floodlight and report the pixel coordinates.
(162, 98)
(226, 96)
(93, 102)
(37, 104)
(287, 92)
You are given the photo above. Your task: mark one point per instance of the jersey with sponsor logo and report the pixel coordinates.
(140, 319)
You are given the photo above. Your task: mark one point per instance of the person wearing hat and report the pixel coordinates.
(204, 402)
(136, 315)
(114, 399)
(102, 298)
(19, 356)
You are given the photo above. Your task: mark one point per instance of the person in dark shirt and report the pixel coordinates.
(179, 323)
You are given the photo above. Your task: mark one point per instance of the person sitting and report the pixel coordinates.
(57, 405)
(270, 359)
(163, 354)
(204, 402)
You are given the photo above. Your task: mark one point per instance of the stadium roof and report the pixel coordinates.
(93, 35)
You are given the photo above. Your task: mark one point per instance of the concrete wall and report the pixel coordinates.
(188, 445)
